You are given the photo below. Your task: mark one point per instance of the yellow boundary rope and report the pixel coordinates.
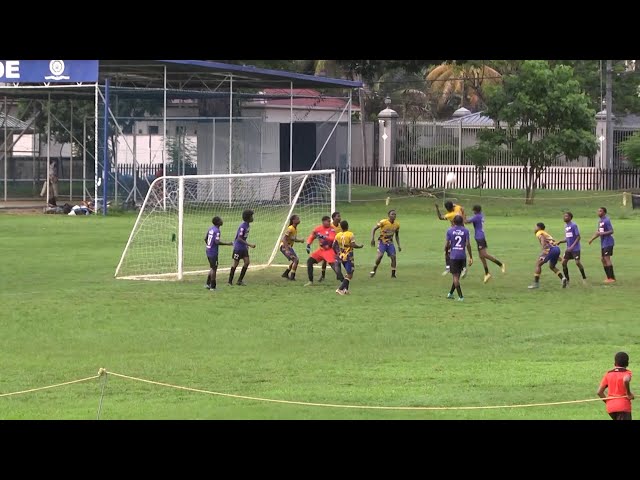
(51, 386)
(333, 405)
(103, 371)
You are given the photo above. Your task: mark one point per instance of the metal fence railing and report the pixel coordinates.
(493, 177)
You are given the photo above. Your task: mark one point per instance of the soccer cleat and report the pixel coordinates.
(584, 281)
(565, 282)
(339, 291)
(241, 283)
(372, 274)
(293, 279)
(285, 274)
(503, 268)
(321, 279)
(487, 277)
(230, 284)
(213, 289)
(534, 285)
(393, 275)
(308, 284)
(610, 280)
(208, 287)
(464, 272)
(447, 270)
(450, 296)
(347, 292)
(461, 299)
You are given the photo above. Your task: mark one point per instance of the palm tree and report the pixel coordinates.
(408, 92)
(461, 85)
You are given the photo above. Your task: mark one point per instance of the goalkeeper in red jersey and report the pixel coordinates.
(325, 234)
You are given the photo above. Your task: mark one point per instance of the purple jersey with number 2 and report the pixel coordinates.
(458, 237)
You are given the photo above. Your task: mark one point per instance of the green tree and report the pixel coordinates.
(540, 114)
(631, 148)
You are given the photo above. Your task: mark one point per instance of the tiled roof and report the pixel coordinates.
(12, 122)
(472, 120)
(302, 97)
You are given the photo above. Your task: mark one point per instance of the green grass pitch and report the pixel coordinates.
(392, 342)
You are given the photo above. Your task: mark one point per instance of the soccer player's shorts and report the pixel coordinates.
(574, 255)
(328, 256)
(240, 254)
(389, 248)
(456, 265)
(213, 261)
(620, 415)
(349, 266)
(482, 243)
(607, 251)
(552, 257)
(289, 253)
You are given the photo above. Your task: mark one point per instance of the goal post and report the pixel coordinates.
(167, 239)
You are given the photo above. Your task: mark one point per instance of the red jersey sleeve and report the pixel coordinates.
(312, 237)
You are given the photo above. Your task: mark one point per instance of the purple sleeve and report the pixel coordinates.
(607, 225)
(576, 232)
(217, 238)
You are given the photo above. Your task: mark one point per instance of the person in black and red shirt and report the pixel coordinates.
(617, 381)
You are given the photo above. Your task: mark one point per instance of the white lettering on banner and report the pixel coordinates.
(10, 69)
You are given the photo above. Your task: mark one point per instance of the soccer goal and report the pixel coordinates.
(167, 240)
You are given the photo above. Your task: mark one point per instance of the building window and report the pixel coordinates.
(153, 130)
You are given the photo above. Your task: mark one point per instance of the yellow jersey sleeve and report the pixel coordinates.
(337, 228)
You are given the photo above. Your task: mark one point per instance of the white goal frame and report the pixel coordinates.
(179, 274)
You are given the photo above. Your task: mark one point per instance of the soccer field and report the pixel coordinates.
(392, 342)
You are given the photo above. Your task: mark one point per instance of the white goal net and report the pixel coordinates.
(167, 240)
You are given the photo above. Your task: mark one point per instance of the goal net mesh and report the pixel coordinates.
(177, 212)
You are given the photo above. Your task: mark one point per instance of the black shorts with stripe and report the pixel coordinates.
(607, 251)
(482, 243)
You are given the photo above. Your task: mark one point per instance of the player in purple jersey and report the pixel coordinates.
(241, 248)
(457, 239)
(572, 252)
(212, 241)
(478, 226)
(605, 232)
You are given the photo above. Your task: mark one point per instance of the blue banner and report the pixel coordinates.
(48, 71)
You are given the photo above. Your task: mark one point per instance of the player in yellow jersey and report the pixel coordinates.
(289, 238)
(335, 224)
(344, 244)
(389, 227)
(453, 209)
(550, 253)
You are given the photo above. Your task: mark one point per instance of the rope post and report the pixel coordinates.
(102, 373)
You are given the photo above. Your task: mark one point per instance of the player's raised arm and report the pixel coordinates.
(373, 234)
(438, 212)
